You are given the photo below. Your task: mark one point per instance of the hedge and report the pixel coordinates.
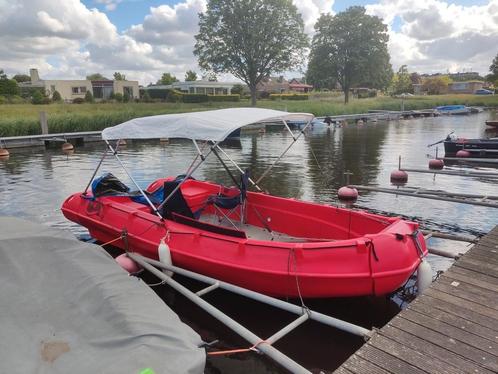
(195, 98)
(218, 98)
(289, 96)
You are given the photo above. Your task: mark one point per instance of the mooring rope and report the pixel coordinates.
(238, 350)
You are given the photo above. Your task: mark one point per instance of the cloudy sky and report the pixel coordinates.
(143, 38)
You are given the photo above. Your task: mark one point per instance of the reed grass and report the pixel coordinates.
(23, 119)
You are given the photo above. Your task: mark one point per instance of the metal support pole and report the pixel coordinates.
(288, 128)
(463, 173)
(252, 338)
(95, 172)
(283, 153)
(156, 211)
(291, 326)
(234, 180)
(238, 167)
(187, 176)
(277, 303)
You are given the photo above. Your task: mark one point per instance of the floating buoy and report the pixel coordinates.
(67, 147)
(4, 153)
(165, 256)
(463, 153)
(424, 276)
(436, 164)
(399, 176)
(164, 140)
(346, 193)
(127, 263)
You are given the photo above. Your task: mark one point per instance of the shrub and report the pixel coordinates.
(145, 97)
(88, 97)
(56, 96)
(289, 96)
(3, 99)
(157, 93)
(174, 96)
(237, 89)
(118, 97)
(264, 95)
(16, 99)
(126, 97)
(220, 98)
(9, 87)
(78, 100)
(38, 98)
(195, 98)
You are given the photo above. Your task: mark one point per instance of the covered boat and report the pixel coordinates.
(453, 109)
(67, 307)
(278, 246)
(477, 148)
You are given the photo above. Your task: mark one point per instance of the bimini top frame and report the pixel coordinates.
(211, 126)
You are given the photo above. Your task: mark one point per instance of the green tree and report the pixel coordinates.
(118, 97)
(119, 77)
(237, 89)
(126, 97)
(37, 98)
(436, 85)
(167, 79)
(8, 87)
(350, 48)
(190, 76)
(493, 69)
(401, 82)
(96, 77)
(20, 78)
(56, 96)
(250, 39)
(146, 97)
(89, 97)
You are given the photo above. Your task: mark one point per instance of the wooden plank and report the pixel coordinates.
(468, 291)
(356, 364)
(412, 357)
(342, 370)
(478, 266)
(427, 348)
(477, 279)
(387, 361)
(453, 333)
(471, 353)
(477, 255)
(441, 315)
(489, 313)
(489, 240)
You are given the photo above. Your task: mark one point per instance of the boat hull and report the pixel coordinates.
(354, 264)
(478, 148)
(493, 124)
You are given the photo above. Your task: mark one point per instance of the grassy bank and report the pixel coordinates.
(22, 119)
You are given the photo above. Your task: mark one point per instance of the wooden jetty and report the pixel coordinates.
(451, 328)
(45, 140)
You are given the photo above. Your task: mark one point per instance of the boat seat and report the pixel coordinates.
(177, 203)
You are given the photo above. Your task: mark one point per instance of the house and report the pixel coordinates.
(273, 85)
(197, 87)
(297, 85)
(72, 89)
(465, 87)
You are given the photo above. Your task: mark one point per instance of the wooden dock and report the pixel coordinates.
(451, 328)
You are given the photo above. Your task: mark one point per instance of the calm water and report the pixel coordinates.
(34, 183)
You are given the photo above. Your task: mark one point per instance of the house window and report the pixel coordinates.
(82, 90)
(52, 88)
(75, 90)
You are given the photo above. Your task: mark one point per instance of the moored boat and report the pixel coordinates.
(278, 246)
(453, 109)
(477, 148)
(492, 123)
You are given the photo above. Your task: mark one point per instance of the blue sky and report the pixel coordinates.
(144, 38)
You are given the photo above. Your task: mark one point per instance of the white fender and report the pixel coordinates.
(424, 276)
(165, 256)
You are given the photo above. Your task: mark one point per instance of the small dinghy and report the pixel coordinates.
(278, 246)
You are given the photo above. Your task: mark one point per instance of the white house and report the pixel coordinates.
(198, 87)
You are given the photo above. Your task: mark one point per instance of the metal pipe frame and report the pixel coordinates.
(259, 344)
(283, 153)
(156, 211)
(255, 184)
(96, 169)
(188, 175)
(462, 173)
(277, 303)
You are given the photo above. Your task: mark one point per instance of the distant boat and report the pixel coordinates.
(493, 123)
(477, 148)
(453, 109)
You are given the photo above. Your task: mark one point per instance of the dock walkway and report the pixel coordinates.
(451, 328)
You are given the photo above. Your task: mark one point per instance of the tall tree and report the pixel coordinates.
(8, 86)
(351, 49)
(119, 77)
(190, 76)
(493, 68)
(96, 77)
(401, 82)
(167, 79)
(250, 39)
(19, 78)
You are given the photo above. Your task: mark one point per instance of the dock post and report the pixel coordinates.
(43, 123)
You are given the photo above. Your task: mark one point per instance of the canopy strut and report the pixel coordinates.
(238, 168)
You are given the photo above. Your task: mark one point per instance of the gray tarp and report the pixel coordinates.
(67, 307)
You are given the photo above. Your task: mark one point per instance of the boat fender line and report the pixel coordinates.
(371, 246)
(164, 254)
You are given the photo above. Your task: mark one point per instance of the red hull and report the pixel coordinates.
(358, 253)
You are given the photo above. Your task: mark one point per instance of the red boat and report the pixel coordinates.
(278, 246)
